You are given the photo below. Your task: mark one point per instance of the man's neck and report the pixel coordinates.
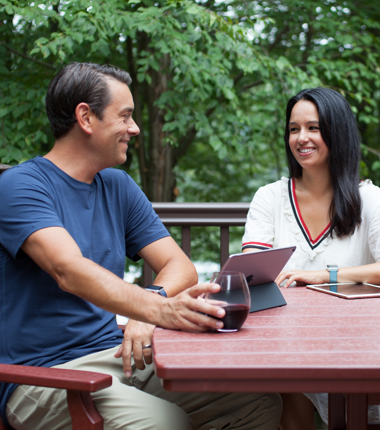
(69, 155)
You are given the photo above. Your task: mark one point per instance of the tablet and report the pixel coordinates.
(261, 269)
(348, 290)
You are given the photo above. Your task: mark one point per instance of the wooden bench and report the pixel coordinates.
(79, 385)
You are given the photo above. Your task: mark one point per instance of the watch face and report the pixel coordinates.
(332, 267)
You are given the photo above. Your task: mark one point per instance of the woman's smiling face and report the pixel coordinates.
(305, 139)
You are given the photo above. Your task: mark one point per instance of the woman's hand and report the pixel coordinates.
(303, 277)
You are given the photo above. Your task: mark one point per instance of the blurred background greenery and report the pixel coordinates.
(210, 81)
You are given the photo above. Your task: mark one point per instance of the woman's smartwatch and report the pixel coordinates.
(333, 269)
(156, 289)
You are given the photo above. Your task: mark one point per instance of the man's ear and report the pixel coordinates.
(85, 117)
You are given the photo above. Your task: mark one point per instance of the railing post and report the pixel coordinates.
(186, 241)
(224, 244)
(357, 411)
(337, 411)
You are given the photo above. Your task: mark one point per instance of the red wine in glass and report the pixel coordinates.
(233, 297)
(235, 316)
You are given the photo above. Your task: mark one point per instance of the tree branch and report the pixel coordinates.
(33, 60)
(181, 149)
(252, 84)
(278, 38)
(238, 77)
(374, 151)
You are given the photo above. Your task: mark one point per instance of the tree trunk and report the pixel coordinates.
(155, 158)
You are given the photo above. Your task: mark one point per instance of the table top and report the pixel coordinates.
(317, 343)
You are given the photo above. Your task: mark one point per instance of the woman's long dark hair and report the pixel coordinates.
(340, 133)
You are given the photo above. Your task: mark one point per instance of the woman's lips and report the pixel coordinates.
(305, 151)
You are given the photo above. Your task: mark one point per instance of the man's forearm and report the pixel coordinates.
(99, 286)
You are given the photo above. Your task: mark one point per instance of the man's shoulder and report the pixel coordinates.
(22, 167)
(113, 174)
(29, 170)
(119, 178)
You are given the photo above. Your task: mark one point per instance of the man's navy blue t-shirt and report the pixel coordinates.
(40, 324)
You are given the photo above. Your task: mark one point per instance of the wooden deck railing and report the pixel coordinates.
(187, 215)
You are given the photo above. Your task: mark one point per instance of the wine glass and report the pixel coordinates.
(233, 297)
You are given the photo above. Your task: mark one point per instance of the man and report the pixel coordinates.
(66, 224)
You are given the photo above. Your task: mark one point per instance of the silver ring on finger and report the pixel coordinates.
(292, 271)
(147, 346)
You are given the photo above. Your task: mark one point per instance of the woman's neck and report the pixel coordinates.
(316, 182)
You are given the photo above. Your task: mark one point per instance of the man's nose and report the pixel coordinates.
(133, 129)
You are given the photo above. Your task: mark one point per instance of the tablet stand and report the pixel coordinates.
(265, 296)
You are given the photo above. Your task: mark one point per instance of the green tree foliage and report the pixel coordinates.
(336, 44)
(210, 81)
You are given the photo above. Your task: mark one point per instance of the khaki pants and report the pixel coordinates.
(140, 403)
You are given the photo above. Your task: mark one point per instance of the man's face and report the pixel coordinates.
(112, 134)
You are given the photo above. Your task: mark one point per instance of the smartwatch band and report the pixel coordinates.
(156, 289)
(333, 270)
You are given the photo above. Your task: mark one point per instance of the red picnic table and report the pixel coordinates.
(317, 343)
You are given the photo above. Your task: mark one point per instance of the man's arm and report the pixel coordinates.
(55, 251)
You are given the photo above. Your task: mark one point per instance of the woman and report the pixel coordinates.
(323, 209)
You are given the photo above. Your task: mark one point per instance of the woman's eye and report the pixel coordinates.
(293, 129)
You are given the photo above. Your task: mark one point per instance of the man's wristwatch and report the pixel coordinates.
(333, 269)
(156, 289)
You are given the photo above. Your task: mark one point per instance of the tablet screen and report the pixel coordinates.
(348, 290)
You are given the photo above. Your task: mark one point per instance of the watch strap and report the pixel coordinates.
(156, 289)
(333, 276)
(333, 270)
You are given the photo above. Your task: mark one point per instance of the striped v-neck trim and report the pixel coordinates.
(297, 214)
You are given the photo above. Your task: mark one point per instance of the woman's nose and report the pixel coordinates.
(303, 136)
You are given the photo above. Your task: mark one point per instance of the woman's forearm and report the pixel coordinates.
(369, 273)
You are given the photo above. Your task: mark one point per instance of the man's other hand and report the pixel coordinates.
(136, 335)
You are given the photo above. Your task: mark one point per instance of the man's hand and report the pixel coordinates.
(179, 312)
(185, 312)
(136, 335)
(303, 277)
